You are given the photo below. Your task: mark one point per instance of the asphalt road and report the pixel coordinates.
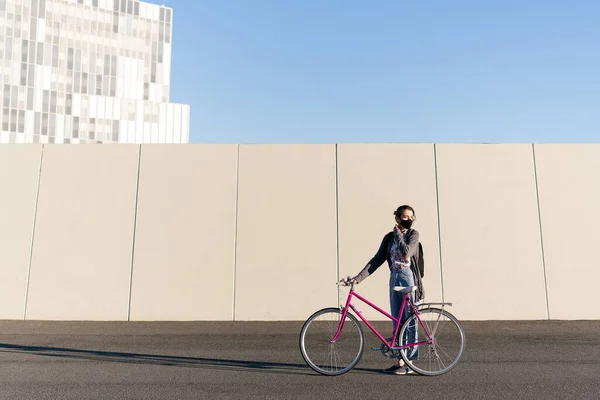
(85, 360)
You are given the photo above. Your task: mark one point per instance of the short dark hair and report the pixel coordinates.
(403, 208)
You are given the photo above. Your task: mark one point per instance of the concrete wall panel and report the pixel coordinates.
(185, 235)
(286, 243)
(193, 260)
(19, 171)
(490, 235)
(81, 262)
(374, 179)
(569, 190)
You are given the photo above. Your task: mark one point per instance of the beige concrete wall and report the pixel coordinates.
(185, 233)
(218, 239)
(286, 241)
(568, 183)
(19, 172)
(374, 179)
(81, 262)
(490, 236)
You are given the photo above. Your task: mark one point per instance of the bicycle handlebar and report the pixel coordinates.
(347, 281)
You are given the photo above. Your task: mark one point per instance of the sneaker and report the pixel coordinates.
(408, 371)
(399, 370)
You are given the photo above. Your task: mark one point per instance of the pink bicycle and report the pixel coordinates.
(431, 341)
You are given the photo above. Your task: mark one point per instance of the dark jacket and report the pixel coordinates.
(409, 246)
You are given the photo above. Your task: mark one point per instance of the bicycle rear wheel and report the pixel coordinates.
(445, 349)
(315, 342)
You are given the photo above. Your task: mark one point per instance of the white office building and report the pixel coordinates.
(87, 71)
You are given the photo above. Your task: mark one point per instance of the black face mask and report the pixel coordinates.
(406, 223)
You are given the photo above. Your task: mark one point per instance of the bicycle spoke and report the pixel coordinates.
(326, 357)
(440, 349)
(446, 347)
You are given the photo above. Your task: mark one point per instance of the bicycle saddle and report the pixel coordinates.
(405, 289)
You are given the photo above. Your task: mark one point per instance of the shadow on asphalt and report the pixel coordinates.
(165, 360)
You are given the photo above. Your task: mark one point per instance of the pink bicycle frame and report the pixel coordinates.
(373, 329)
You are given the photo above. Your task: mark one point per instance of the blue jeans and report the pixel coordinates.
(403, 277)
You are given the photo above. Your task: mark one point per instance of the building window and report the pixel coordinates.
(31, 76)
(91, 134)
(30, 98)
(68, 103)
(31, 55)
(24, 51)
(8, 48)
(13, 120)
(69, 58)
(76, 82)
(115, 24)
(5, 118)
(53, 102)
(115, 130)
(99, 85)
(106, 64)
(6, 100)
(52, 125)
(40, 54)
(113, 65)
(41, 8)
(44, 124)
(23, 78)
(113, 87)
(55, 56)
(75, 127)
(36, 123)
(84, 82)
(33, 25)
(14, 97)
(21, 125)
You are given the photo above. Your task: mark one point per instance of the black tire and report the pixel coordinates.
(443, 353)
(331, 358)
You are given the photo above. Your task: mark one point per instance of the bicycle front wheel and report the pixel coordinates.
(320, 353)
(446, 342)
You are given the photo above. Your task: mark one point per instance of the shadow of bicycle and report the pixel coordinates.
(166, 360)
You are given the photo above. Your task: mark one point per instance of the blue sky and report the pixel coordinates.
(333, 71)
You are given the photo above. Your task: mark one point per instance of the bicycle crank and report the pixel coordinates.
(386, 351)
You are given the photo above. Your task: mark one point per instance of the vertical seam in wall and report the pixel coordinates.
(235, 229)
(537, 194)
(37, 199)
(337, 224)
(437, 202)
(135, 211)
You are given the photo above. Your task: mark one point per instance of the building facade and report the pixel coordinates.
(87, 71)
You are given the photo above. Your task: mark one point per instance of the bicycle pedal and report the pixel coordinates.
(375, 348)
